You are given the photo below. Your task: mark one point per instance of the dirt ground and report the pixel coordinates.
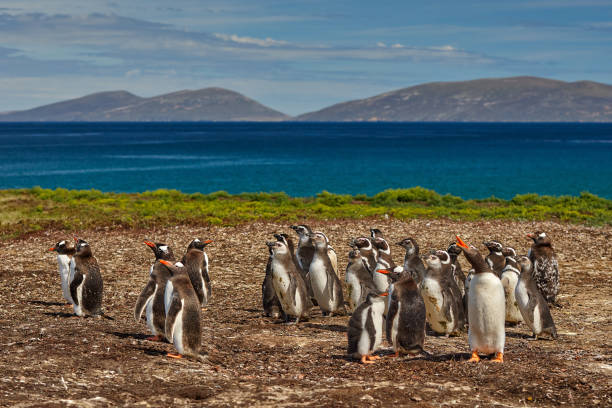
(49, 358)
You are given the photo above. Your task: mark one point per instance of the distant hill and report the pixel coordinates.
(209, 104)
(517, 99)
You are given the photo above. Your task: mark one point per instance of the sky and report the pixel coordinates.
(295, 56)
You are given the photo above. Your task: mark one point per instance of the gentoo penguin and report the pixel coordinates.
(196, 262)
(326, 286)
(152, 296)
(183, 327)
(365, 328)
(405, 326)
(454, 251)
(271, 305)
(412, 261)
(545, 266)
(86, 286)
(509, 279)
(65, 252)
(532, 304)
(486, 308)
(495, 258)
(443, 301)
(288, 283)
(368, 252)
(358, 280)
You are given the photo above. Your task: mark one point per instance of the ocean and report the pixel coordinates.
(470, 160)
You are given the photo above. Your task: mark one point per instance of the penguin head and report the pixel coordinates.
(525, 264)
(62, 248)
(197, 243)
(374, 295)
(354, 255)
(82, 247)
(277, 248)
(539, 238)
(161, 251)
(302, 230)
(376, 233)
(282, 237)
(493, 246)
(410, 245)
(173, 268)
(507, 251)
(322, 233)
(443, 256)
(453, 249)
(319, 240)
(381, 244)
(394, 276)
(473, 256)
(432, 261)
(362, 243)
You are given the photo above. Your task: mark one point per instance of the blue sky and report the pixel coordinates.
(295, 56)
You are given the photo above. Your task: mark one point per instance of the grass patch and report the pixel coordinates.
(28, 210)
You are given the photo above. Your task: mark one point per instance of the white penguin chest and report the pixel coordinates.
(168, 295)
(318, 276)
(431, 291)
(177, 331)
(149, 312)
(281, 281)
(486, 310)
(380, 280)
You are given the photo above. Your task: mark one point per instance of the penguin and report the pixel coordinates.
(326, 286)
(486, 308)
(305, 250)
(365, 328)
(288, 283)
(196, 262)
(532, 304)
(358, 280)
(151, 299)
(383, 261)
(331, 253)
(495, 258)
(406, 315)
(65, 252)
(412, 261)
(454, 251)
(545, 266)
(509, 279)
(448, 271)
(271, 305)
(442, 302)
(289, 242)
(86, 286)
(183, 327)
(376, 233)
(368, 252)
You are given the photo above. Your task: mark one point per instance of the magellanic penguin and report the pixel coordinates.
(443, 301)
(331, 252)
(65, 252)
(412, 261)
(406, 315)
(385, 262)
(305, 249)
(454, 251)
(376, 233)
(509, 279)
(183, 327)
(86, 286)
(288, 283)
(358, 280)
(196, 262)
(368, 252)
(326, 286)
(365, 328)
(486, 308)
(271, 305)
(545, 266)
(495, 258)
(532, 304)
(151, 298)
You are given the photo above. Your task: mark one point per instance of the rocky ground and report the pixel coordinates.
(50, 358)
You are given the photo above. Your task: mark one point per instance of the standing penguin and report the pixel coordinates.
(495, 258)
(288, 283)
(331, 253)
(406, 313)
(532, 304)
(271, 305)
(368, 252)
(509, 279)
(64, 254)
(152, 296)
(326, 286)
(545, 266)
(86, 286)
(196, 262)
(358, 280)
(486, 308)
(183, 327)
(384, 262)
(442, 303)
(454, 251)
(365, 328)
(305, 250)
(412, 261)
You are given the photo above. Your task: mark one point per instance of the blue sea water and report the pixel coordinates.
(471, 160)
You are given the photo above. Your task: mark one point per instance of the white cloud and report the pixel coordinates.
(262, 42)
(381, 44)
(445, 48)
(397, 45)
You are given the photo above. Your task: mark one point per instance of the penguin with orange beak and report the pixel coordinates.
(486, 308)
(365, 328)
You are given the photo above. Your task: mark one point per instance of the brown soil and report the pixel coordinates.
(50, 358)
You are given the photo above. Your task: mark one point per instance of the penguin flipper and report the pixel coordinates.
(76, 282)
(175, 307)
(143, 299)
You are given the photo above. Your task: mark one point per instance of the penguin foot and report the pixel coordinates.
(172, 355)
(373, 358)
(394, 355)
(365, 360)
(68, 305)
(499, 358)
(474, 358)
(155, 338)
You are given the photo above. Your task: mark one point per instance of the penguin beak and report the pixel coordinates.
(165, 262)
(52, 249)
(76, 239)
(383, 271)
(270, 244)
(208, 241)
(150, 244)
(384, 294)
(461, 243)
(531, 235)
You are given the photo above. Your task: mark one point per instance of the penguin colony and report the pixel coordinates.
(383, 298)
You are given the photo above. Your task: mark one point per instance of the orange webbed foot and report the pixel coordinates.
(372, 358)
(394, 355)
(172, 355)
(474, 358)
(365, 360)
(499, 358)
(155, 338)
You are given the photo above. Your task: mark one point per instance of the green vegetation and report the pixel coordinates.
(29, 210)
